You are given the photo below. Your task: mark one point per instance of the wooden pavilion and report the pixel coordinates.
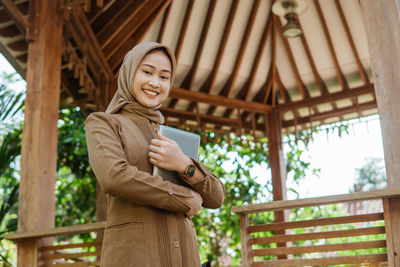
(237, 72)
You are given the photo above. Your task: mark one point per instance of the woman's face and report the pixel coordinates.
(153, 79)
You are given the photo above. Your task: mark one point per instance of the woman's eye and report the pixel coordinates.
(147, 72)
(164, 77)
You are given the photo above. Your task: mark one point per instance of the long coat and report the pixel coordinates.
(146, 225)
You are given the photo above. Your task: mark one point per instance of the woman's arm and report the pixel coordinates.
(165, 153)
(118, 178)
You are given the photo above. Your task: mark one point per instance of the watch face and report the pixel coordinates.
(190, 170)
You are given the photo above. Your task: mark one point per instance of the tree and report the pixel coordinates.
(371, 175)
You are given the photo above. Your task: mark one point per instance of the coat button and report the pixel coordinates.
(176, 244)
(156, 130)
(170, 192)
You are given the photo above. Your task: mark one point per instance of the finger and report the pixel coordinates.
(154, 156)
(155, 149)
(163, 138)
(157, 142)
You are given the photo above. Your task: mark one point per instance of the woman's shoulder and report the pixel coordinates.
(114, 119)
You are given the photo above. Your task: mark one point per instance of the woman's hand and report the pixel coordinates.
(194, 203)
(166, 153)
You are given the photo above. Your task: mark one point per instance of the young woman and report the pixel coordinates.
(148, 219)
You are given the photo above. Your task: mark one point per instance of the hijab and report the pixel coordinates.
(124, 97)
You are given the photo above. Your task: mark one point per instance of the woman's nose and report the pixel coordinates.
(154, 82)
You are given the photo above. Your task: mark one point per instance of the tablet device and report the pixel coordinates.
(188, 142)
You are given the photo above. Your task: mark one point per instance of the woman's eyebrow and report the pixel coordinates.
(151, 66)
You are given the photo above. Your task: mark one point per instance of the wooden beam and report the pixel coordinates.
(16, 15)
(330, 114)
(219, 100)
(303, 91)
(339, 74)
(163, 24)
(361, 69)
(369, 89)
(383, 35)
(157, 8)
(189, 80)
(208, 86)
(184, 29)
(320, 201)
(228, 87)
(39, 141)
(120, 23)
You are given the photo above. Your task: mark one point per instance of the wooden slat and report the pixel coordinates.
(163, 24)
(317, 201)
(361, 69)
(208, 85)
(303, 90)
(183, 30)
(70, 255)
(143, 12)
(74, 264)
(319, 248)
(66, 246)
(121, 22)
(247, 255)
(316, 222)
(339, 74)
(374, 258)
(16, 15)
(318, 235)
(218, 100)
(329, 114)
(67, 230)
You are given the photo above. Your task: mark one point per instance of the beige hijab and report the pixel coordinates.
(124, 97)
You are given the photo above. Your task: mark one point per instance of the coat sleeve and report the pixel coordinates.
(119, 178)
(210, 188)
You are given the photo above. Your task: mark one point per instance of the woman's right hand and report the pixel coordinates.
(195, 203)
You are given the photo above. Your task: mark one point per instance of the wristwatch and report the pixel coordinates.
(190, 170)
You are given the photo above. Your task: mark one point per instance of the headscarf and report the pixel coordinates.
(124, 97)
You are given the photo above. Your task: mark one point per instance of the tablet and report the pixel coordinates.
(188, 142)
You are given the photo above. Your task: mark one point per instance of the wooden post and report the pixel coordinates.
(39, 141)
(278, 167)
(247, 254)
(383, 32)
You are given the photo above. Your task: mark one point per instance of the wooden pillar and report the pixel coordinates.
(39, 141)
(278, 167)
(382, 20)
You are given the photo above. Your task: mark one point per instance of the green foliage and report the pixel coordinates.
(371, 175)
(76, 183)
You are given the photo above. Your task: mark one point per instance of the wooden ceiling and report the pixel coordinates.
(234, 64)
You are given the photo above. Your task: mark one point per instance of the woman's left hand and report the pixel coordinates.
(166, 153)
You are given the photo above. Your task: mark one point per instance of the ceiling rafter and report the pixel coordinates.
(208, 86)
(163, 24)
(245, 90)
(230, 83)
(340, 76)
(218, 100)
(329, 114)
(97, 10)
(320, 83)
(146, 18)
(189, 79)
(120, 22)
(21, 22)
(303, 90)
(361, 69)
(103, 17)
(184, 29)
(362, 90)
(113, 49)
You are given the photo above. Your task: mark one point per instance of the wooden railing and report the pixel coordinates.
(318, 241)
(67, 254)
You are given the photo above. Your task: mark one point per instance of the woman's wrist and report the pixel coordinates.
(182, 168)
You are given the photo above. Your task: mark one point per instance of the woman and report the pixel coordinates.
(148, 220)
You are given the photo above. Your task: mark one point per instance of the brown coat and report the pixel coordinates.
(146, 225)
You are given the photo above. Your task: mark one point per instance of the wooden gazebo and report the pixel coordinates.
(236, 73)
